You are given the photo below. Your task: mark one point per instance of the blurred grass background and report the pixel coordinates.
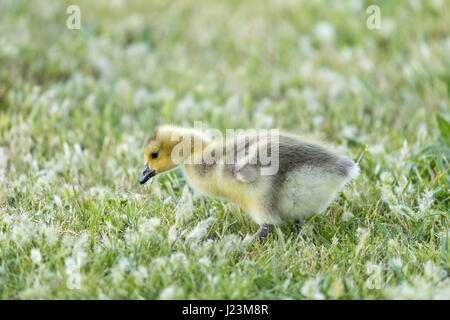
(77, 105)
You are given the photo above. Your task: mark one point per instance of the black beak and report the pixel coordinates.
(146, 175)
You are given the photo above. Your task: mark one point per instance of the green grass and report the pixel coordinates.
(77, 105)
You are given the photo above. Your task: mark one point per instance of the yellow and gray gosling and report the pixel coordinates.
(307, 179)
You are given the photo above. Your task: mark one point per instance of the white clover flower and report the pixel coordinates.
(90, 101)
(324, 32)
(233, 104)
(443, 291)
(116, 276)
(7, 219)
(164, 94)
(99, 192)
(305, 70)
(397, 262)
(80, 258)
(106, 241)
(286, 283)
(140, 274)
(57, 200)
(148, 226)
(123, 264)
(375, 279)
(336, 289)
(136, 51)
(354, 5)
(46, 177)
(366, 64)
(119, 269)
(388, 26)
(363, 237)
(157, 189)
(82, 242)
(37, 290)
(205, 261)
(388, 195)
(311, 101)
(73, 265)
(35, 255)
(186, 105)
(418, 288)
(426, 201)
(386, 177)
(304, 45)
(168, 293)
(404, 151)
(133, 23)
(433, 272)
(8, 48)
(118, 4)
(263, 120)
(131, 237)
(311, 289)
(349, 131)
(348, 215)
(111, 165)
(402, 183)
(3, 158)
(404, 291)
(318, 120)
(229, 243)
(437, 4)
(172, 234)
(346, 54)
(179, 258)
(21, 232)
(200, 230)
(393, 245)
(425, 51)
(376, 149)
(123, 86)
(160, 262)
(141, 97)
(185, 207)
(109, 225)
(214, 280)
(122, 149)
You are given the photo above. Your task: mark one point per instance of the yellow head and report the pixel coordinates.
(159, 149)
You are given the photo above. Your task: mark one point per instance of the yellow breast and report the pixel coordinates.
(217, 183)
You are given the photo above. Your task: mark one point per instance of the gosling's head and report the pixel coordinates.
(157, 153)
(168, 147)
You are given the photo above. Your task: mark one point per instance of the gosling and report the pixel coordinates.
(304, 180)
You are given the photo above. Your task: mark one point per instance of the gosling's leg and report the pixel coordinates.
(263, 231)
(298, 224)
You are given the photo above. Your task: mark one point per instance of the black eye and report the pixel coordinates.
(154, 155)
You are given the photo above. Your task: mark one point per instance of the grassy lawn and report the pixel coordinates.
(76, 107)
